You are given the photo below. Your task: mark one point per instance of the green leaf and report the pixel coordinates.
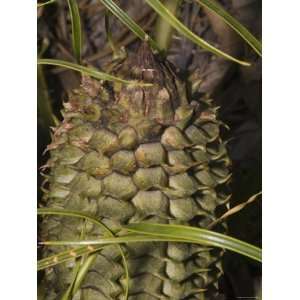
(181, 28)
(78, 265)
(83, 271)
(142, 232)
(88, 71)
(68, 293)
(81, 268)
(76, 29)
(153, 233)
(146, 232)
(197, 235)
(45, 3)
(75, 214)
(66, 256)
(91, 246)
(163, 29)
(129, 22)
(87, 250)
(234, 24)
(130, 238)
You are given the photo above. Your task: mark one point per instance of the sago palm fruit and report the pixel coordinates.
(132, 153)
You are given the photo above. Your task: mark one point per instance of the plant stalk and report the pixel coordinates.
(163, 29)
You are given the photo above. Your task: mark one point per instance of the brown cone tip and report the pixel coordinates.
(144, 65)
(145, 57)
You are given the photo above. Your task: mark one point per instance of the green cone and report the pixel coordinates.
(130, 154)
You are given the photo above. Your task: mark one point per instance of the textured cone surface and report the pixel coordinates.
(129, 154)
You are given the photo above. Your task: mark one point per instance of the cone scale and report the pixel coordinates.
(129, 154)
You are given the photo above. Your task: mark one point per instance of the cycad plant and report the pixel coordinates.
(138, 174)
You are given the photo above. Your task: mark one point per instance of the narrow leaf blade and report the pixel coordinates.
(234, 24)
(75, 214)
(86, 71)
(146, 232)
(129, 22)
(65, 256)
(181, 28)
(45, 3)
(208, 237)
(78, 214)
(76, 29)
(163, 29)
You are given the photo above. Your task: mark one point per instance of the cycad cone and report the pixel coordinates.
(129, 154)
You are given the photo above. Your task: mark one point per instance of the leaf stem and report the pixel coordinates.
(163, 29)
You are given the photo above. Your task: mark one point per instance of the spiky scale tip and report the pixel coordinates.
(131, 155)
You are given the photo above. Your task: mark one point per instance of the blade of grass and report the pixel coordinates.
(82, 272)
(45, 3)
(65, 256)
(88, 71)
(76, 214)
(254, 43)
(68, 293)
(129, 22)
(130, 238)
(91, 247)
(147, 232)
(197, 235)
(163, 29)
(181, 28)
(76, 29)
(71, 291)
